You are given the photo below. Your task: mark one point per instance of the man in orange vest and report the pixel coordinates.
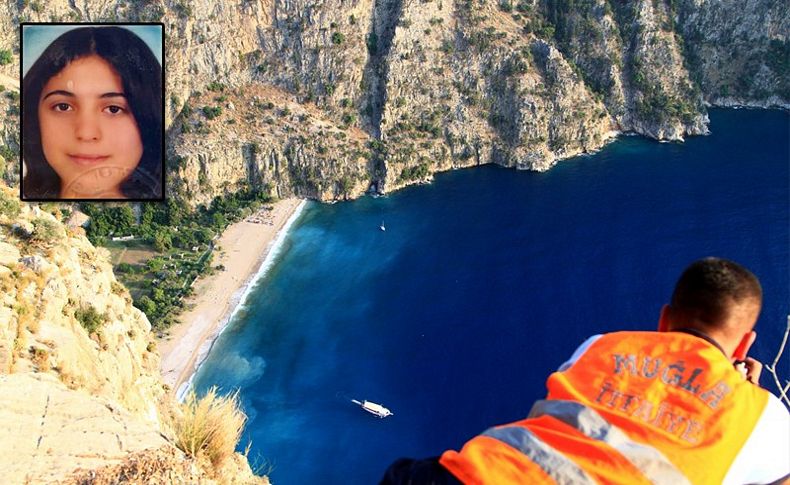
(677, 406)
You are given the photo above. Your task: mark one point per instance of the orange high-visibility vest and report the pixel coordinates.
(636, 407)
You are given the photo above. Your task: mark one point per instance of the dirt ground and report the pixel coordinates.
(132, 253)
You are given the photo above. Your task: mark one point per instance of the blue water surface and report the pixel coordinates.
(482, 284)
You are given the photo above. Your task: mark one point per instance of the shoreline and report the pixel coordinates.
(247, 250)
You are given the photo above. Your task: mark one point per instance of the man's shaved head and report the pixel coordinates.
(715, 293)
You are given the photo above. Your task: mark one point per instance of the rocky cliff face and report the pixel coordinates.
(9, 99)
(79, 373)
(54, 281)
(329, 99)
(737, 52)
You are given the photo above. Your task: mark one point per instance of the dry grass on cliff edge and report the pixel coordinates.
(210, 426)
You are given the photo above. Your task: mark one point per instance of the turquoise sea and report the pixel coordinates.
(482, 284)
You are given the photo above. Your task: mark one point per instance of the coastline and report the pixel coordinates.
(246, 251)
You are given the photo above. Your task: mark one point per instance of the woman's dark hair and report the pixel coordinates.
(141, 76)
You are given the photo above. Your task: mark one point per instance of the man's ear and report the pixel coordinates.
(743, 346)
(663, 319)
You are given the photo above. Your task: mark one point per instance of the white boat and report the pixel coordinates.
(373, 408)
(382, 226)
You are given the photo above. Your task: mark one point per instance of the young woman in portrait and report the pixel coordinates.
(92, 118)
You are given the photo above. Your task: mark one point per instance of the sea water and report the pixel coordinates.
(481, 285)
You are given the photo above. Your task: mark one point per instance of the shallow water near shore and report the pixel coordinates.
(482, 284)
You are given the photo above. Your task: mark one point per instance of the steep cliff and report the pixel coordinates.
(330, 99)
(79, 375)
(738, 52)
(9, 102)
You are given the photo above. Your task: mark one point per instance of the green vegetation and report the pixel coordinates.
(45, 231)
(210, 426)
(106, 221)
(517, 64)
(8, 153)
(778, 57)
(348, 119)
(9, 206)
(338, 38)
(215, 87)
(418, 172)
(5, 57)
(212, 112)
(177, 241)
(345, 184)
(482, 39)
(90, 318)
(378, 147)
(655, 103)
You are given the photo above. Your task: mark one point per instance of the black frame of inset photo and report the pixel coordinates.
(31, 145)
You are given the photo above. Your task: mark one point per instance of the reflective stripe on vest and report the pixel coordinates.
(672, 391)
(555, 464)
(652, 463)
(635, 407)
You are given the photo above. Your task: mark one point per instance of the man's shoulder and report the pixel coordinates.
(632, 342)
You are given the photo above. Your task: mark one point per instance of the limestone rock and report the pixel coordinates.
(9, 254)
(50, 431)
(330, 99)
(72, 399)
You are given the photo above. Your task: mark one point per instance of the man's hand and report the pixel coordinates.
(751, 369)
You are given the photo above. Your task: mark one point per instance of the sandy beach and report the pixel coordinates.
(243, 247)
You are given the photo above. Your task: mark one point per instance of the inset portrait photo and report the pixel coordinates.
(92, 112)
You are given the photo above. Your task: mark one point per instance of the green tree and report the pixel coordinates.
(203, 235)
(147, 213)
(162, 239)
(176, 212)
(158, 295)
(218, 221)
(155, 265)
(346, 184)
(123, 219)
(147, 306)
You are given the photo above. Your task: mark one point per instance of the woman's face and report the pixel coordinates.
(88, 132)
